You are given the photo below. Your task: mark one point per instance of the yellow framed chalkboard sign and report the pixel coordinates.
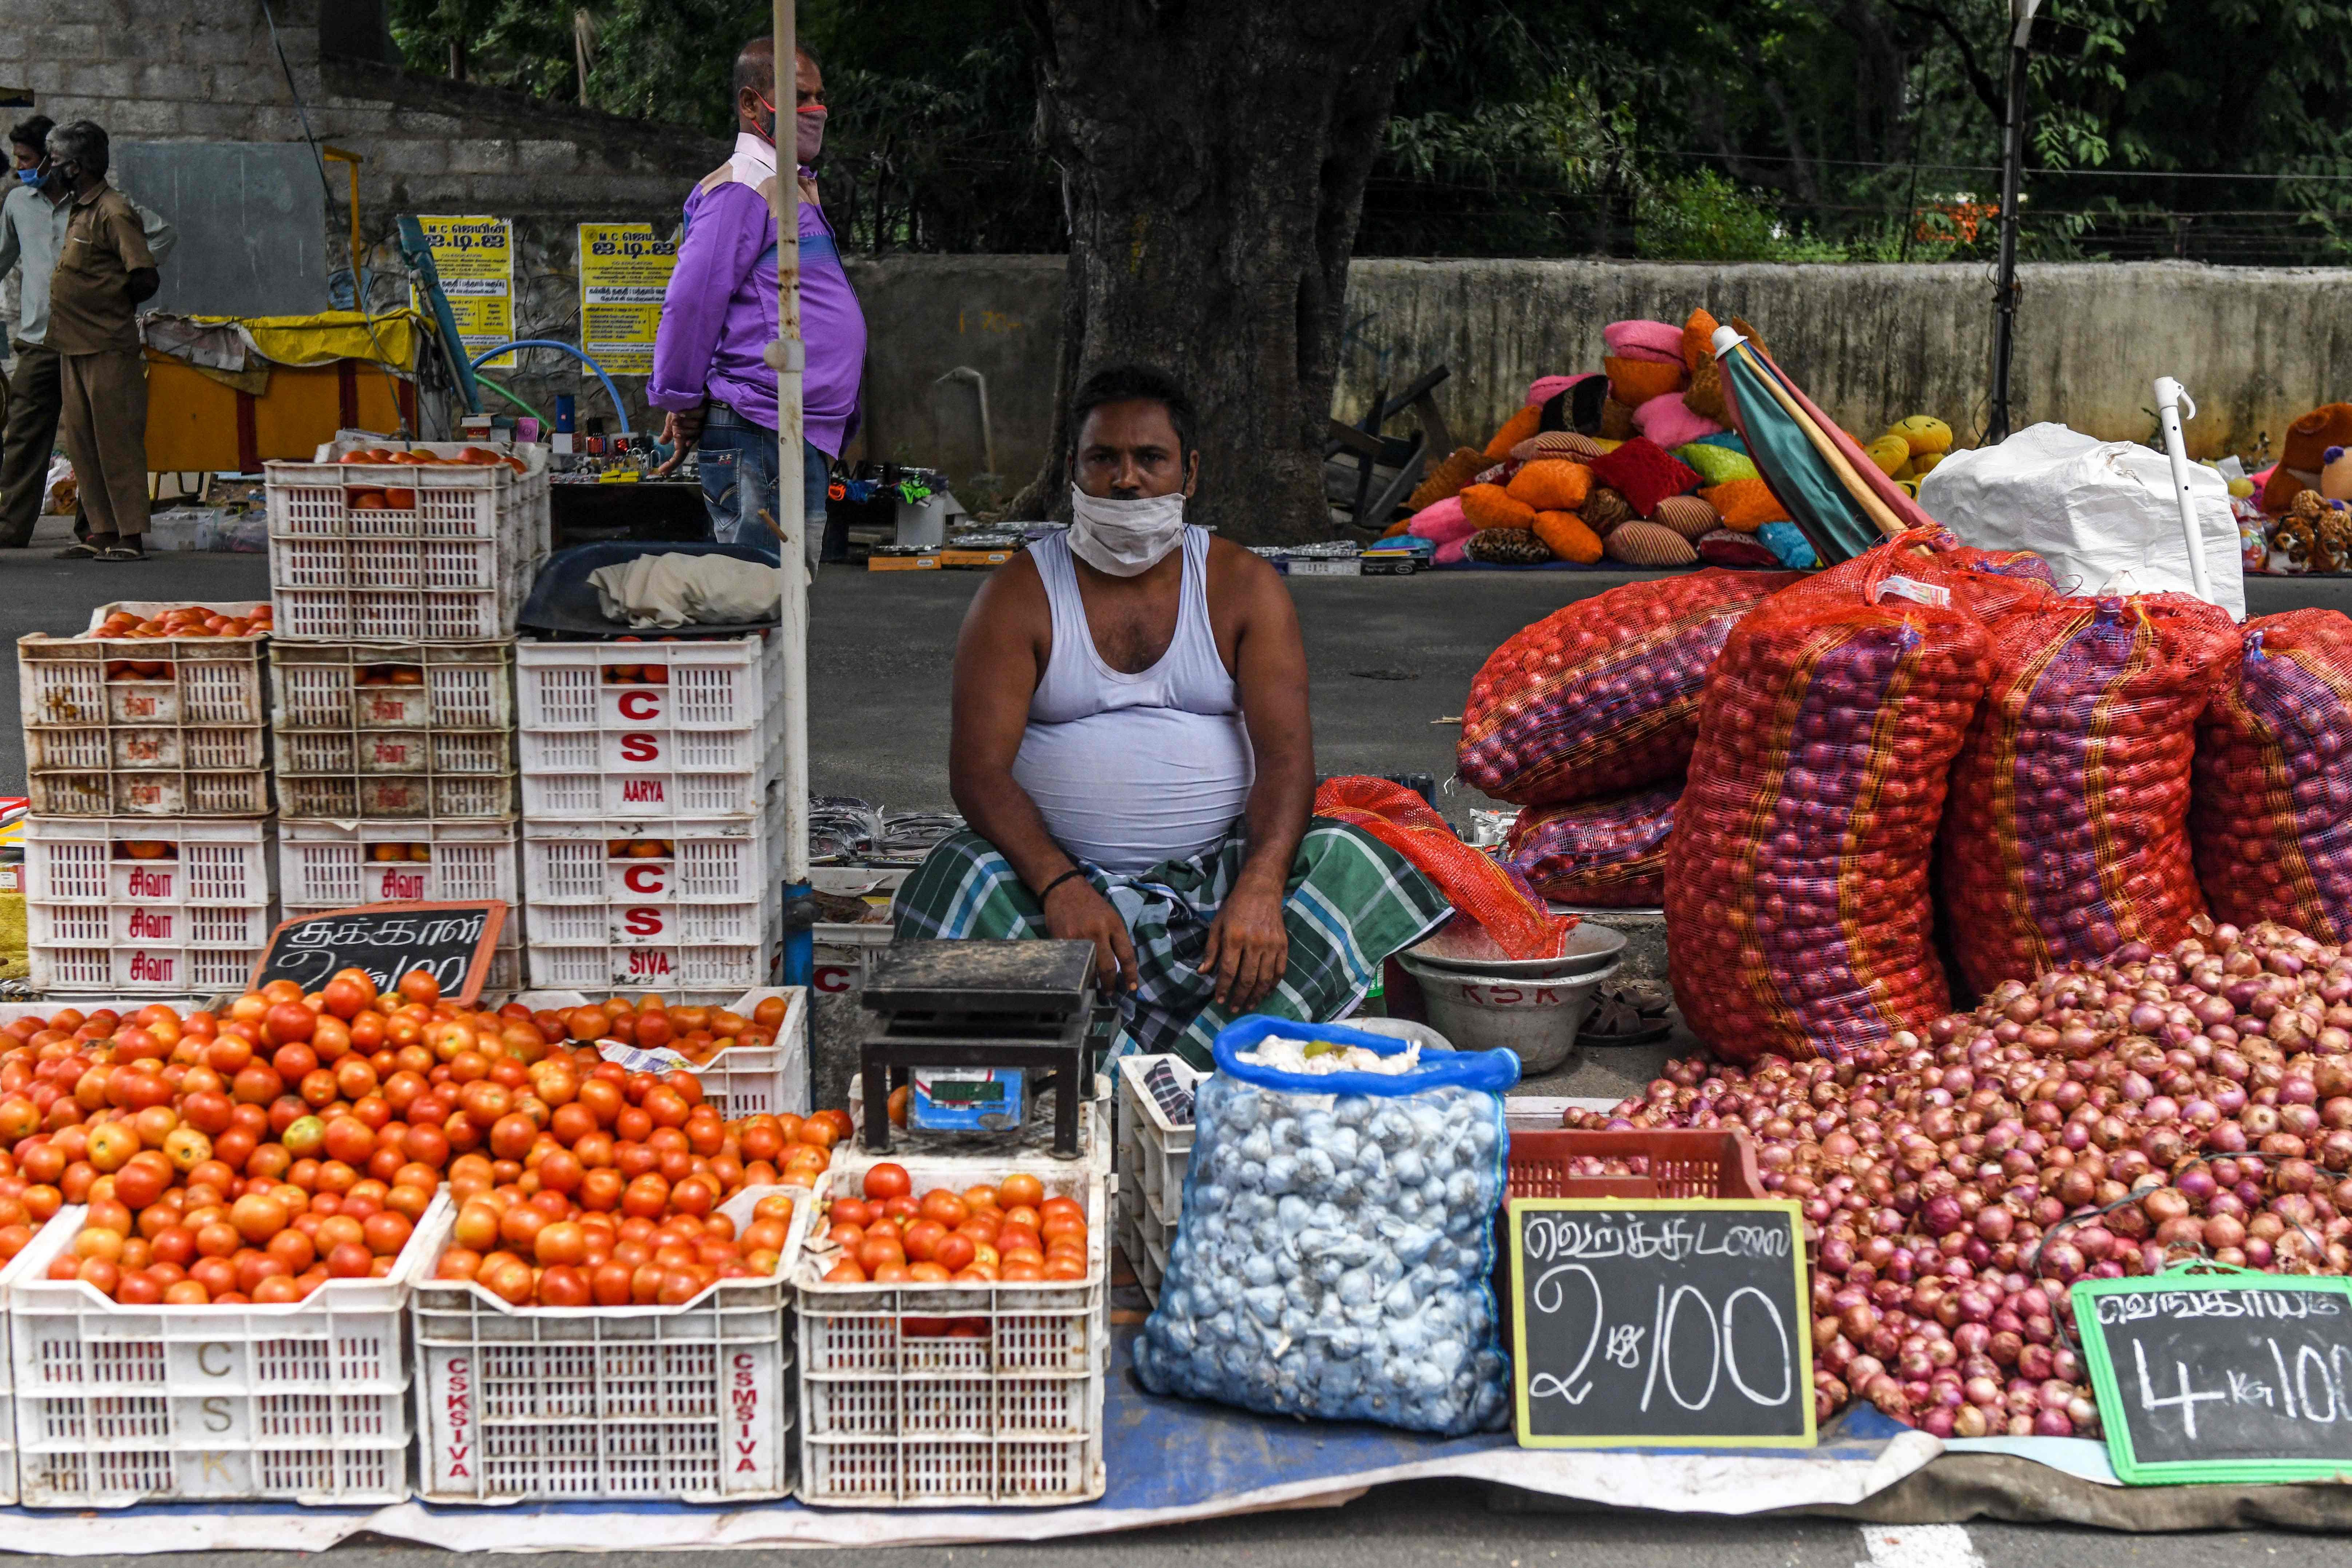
(1660, 1323)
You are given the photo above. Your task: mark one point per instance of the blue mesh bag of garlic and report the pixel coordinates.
(1336, 1243)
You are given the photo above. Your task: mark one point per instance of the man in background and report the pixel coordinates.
(35, 216)
(710, 370)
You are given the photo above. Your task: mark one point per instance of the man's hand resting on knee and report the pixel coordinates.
(1248, 947)
(1076, 911)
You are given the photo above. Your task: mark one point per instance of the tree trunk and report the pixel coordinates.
(1213, 154)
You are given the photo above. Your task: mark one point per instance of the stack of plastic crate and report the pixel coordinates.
(146, 864)
(653, 848)
(396, 585)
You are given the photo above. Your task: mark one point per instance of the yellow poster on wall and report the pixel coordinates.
(623, 273)
(475, 259)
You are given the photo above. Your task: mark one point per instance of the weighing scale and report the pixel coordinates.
(979, 1028)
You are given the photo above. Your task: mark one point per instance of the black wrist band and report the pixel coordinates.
(1045, 891)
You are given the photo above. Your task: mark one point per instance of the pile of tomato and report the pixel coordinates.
(180, 621)
(253, 1154)
(1009, 1232)
(696, 1033)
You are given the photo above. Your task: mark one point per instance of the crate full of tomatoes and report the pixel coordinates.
(157, 708)
(952, 1334)
(750, 1053)
(224, 1315)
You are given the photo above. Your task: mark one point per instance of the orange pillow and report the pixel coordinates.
(1745, 505)
(1568, 538)
(1515, 429)
(1492, 506)
(1635, 381)
(1698, 340)
(1551, 485)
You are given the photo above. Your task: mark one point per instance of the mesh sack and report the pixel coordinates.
(1337, 1238)
(1601, 696)
(2068, 835)
(1491, 894)
(1610, 854)
(1797, 907)
(2270, 812)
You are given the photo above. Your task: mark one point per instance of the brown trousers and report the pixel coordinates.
(30, 431)
(105, 420)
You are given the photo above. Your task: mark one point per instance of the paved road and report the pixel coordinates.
(1429, 1525)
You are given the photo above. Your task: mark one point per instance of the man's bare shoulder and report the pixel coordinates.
(1238, 573)
(1011, 597)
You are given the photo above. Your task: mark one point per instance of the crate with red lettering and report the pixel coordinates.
(305, 1400)
(740, 1080)
(157, 726)
(154, 906)
(684, 904)
(645, 732)
(342, 865)
(392, 729)
(427, 544)
(685, 1404)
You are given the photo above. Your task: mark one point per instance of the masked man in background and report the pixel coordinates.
(710, 370)
(1132, 751)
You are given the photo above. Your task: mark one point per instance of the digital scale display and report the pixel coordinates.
(965, 1100)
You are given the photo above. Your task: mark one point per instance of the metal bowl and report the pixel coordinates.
(1536, 1017)
(1463, 947)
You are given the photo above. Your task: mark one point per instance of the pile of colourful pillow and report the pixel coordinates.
(1632, 463)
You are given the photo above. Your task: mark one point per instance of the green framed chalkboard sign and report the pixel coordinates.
(1660, 1323)
(2205, 1373)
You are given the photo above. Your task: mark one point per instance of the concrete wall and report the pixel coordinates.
(2255, 347)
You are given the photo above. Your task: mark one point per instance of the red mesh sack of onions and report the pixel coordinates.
(2270, 812)
(1797, 907)
(1599, 697)
(2067, 834)
(1609, 853)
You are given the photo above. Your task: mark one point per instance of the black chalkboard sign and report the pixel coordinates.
(454, 942)
(1661, 1322)
(2221, 1376)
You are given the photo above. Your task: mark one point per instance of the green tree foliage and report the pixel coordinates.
(1764, 130)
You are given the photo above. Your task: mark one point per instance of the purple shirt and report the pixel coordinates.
(719, 313)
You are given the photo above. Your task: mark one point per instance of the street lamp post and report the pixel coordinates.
(2013, 161)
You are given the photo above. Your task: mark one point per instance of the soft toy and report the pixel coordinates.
(1924, 433)
(1491, 507)
(1450, 477)
(2315, 535)
(1891, 453)
(2305, 453)
(1671, 422)
(1568, 538)
(1551, 485)
(2335, 479)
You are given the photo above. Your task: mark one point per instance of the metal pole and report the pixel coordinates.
(2013, 161)
(2169, 395)
(789, 356)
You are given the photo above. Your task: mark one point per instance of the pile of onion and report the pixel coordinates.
(2097, 1121)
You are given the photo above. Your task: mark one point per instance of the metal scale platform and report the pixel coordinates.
(1021, 1015)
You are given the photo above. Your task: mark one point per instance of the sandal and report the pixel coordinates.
(77, 551)
(122, 552)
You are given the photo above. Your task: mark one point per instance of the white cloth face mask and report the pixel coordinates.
(1125, 539)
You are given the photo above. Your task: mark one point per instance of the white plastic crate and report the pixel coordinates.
(1010, 1416)
(704, 915)
(191, 918)
(1162, 1149)
(843, 953)
(18, 1267)
(306, 1401)
(743, 1080)
(688, 1404)
(601, 742)
(1145, 1241)
(337, 865)
(439, 746)
(452, 565)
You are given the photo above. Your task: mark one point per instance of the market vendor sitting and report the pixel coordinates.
(1133, 752)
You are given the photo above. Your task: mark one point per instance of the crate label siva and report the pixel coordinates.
(1648, 1323)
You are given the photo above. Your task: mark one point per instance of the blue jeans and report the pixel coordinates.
(738, 479)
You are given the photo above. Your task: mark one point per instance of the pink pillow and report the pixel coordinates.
(1442, 522)
(1669, 422)
(1543, 389)
(1450, 552)
(1627, 340)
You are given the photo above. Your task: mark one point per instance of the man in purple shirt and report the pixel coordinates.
(710, 374)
